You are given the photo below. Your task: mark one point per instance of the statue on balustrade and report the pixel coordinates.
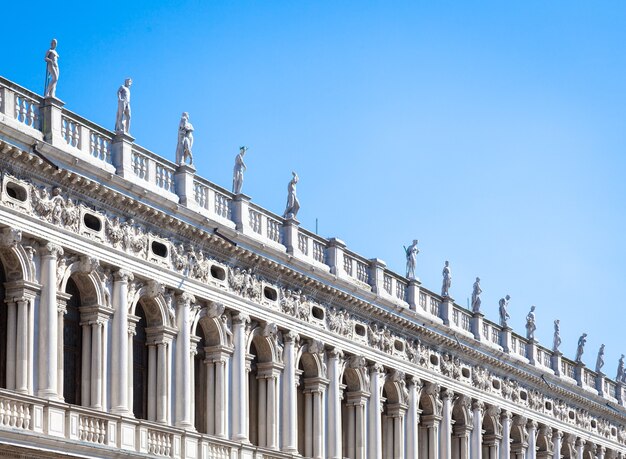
(530, 324)
(52, 70)
(240, 168)
(504, 313)
(581, 347)
(411, 259)
(122, 120)
(293, 205)
(621, 376)
(476, 291)
(447, 280)
(185, 141)
(600, 360)
(556, 344)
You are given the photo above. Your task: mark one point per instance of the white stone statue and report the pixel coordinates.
(556, 344)
(581, 347)
(122, 120)
(621, 377)
(411, 259)
(504, 313)
(476, 291)
(530, 324)
(293, 205)
(52, 70)
(600, 360)
(447, 280)
(240, 168)
(185, 141)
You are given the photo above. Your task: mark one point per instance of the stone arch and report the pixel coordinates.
(88, 280)
(264, 340)
(214, 329)
(519, 435)
(492, 428)
(356, 380)
(462, 418)
(158, 311)
(545, 444)
(310, 359)
(395, 404)
(17, 259)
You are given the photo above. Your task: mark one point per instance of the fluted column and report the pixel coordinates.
(505, 444)
(334, 405)
(240, 379)
(183, 361)
(119, 344)
(476, 448)
(48, 323)
(446, 425)
(290, 403)
(374, 433)
(413, 417)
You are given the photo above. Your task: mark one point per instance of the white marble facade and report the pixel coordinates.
(150, 312)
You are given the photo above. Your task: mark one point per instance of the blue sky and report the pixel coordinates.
(491, 131)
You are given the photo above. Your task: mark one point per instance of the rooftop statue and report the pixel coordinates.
(122, 119)
(530, 324)
(185, 141)
(411, 259)
(581, 347)
(240, 168)
(447, 280)
(557, 336)
(600, 360)
(476, 291)
(504, 313)
(293, 205)
(621, 376)
(52, 70)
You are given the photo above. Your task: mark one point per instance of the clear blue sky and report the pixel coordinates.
(491, 131)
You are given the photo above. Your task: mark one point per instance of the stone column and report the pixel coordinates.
(557, 439)
(600, 452)
(334, 404)
(152, 381)
(505, 445)
(374, 437)
(61, 311)
(431, 423)
(531, 427)
(240, 379)
(446, 425)
(184, 390)
(48, 323)
(21, 348)
(119, 344)
(161, 390)
(85, 380)
(97, 370)
(220, 397)
(11, 338)
(476, 449)
(360, 450)
(413, 417)
(462, 435)
(580, 448)
(290, 402)
(319, 416)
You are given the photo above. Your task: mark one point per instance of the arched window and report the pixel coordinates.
(140, 366)
(72, 346)
(3, 331)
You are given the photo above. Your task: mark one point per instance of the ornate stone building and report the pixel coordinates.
(148, 312)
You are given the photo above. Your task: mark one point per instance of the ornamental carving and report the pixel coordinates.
(245, 283)
(55, 208)
(339, 321)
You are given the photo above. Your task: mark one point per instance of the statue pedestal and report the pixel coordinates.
(600, 384)
(619, 393)
(122, 154)
(446, 310)
(240, 212)
(531, 351)
(477, 325)
(51, 119)
(579, 373)
(556, 362)
(335, 256)
(290, 234)
(505, 339)
(413, 294)
(183, 183)
(377, 275)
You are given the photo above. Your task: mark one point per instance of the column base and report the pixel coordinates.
(121, 411)
(48, 394)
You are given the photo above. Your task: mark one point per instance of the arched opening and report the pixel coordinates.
(462, 427)
(353, 410)
(428, 432)
(519, 437)
(140, 365)
(545, 444)
(492, 428)
(568, 446)
(3, 331)
(201, 386)
(393, 416)
(72, 346)
(310, 404)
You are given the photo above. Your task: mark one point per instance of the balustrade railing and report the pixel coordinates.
(15, 414)
(70, 130)
(159, 443)
(100, 146)
(201, 195)
(222, 205)
(140, 165)
(165, 177)
(92, 429)
(27, 111)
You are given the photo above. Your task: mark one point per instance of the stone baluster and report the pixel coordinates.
(48, 323)
(377, 377)
(476, 448)
(334, 404)
(119, 344)
(183, 361)
(290, 403)
(240, 379)
(415, 387)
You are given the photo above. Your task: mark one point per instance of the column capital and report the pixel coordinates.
(88, 264)
(335, 353)
(10, 237)
(478, 405)
(447, 395)
(184, 300)
(506, 415)
(241, 318)
(290, 336)
(376, 368)
(51, 249)
(121, 275)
